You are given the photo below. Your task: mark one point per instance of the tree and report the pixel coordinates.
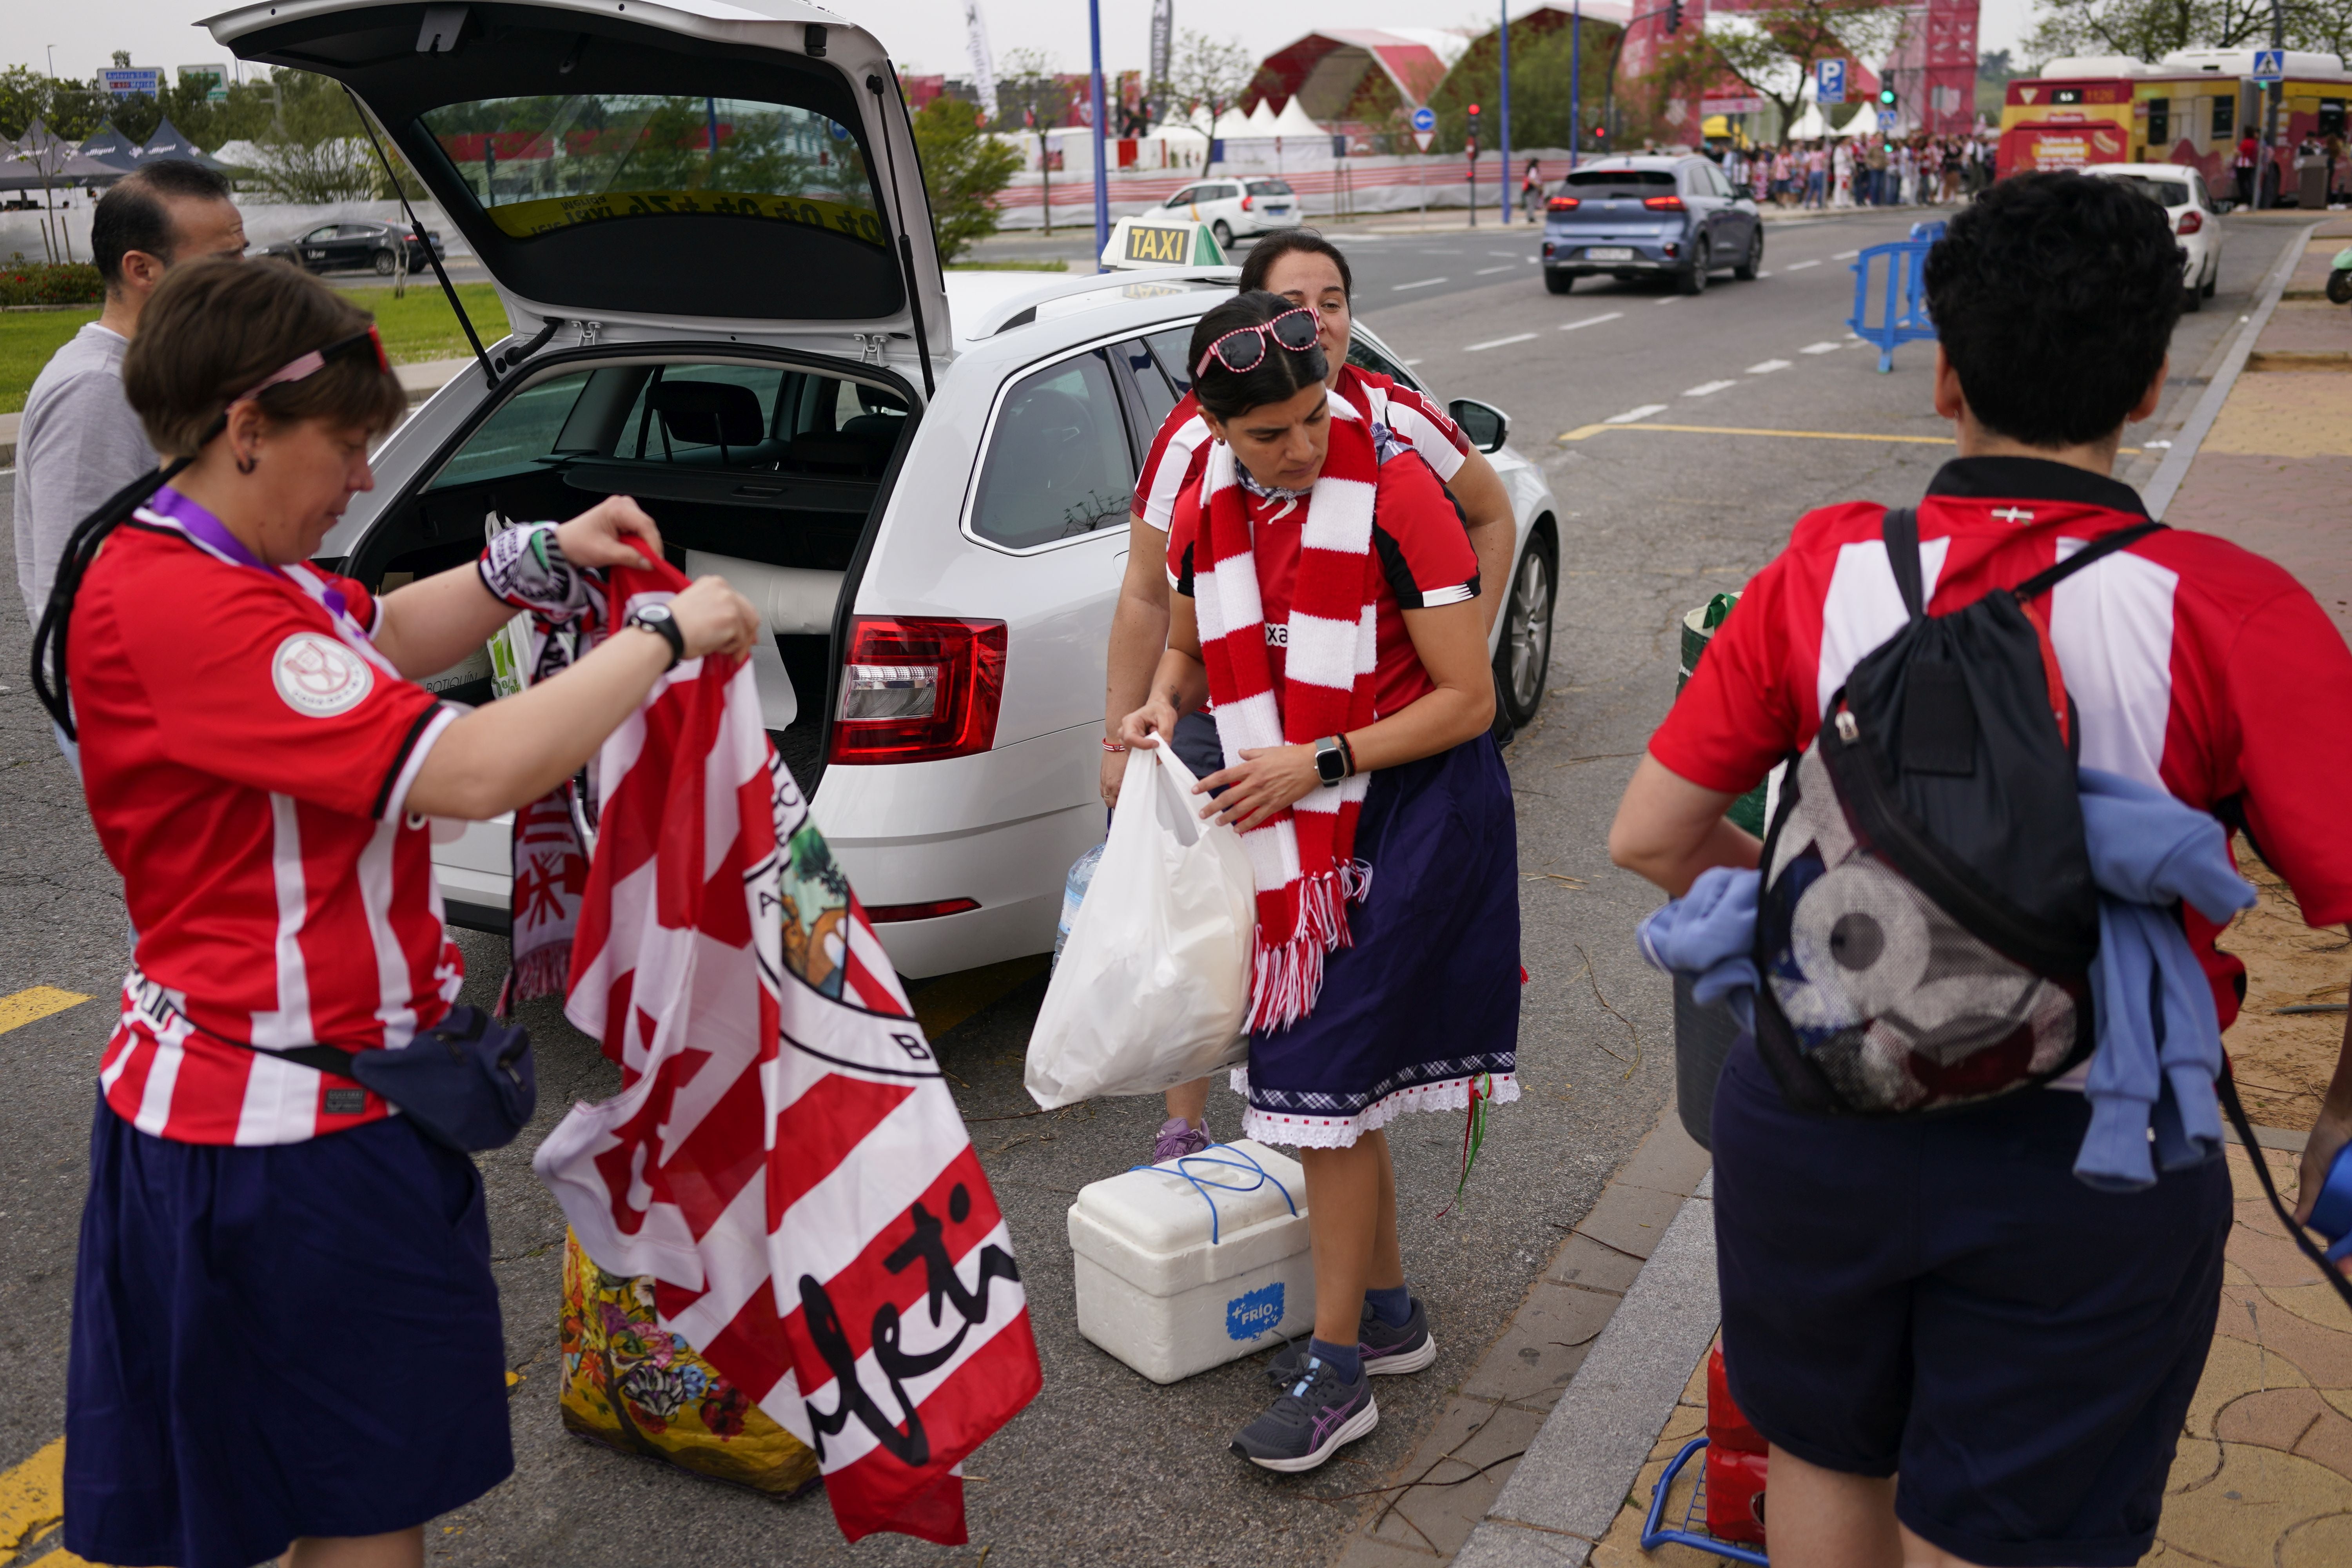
(73, 110)
(2150, 29)
(963, 168)
(1540, 73)
(1207, 75)
(1032, 98)
(1772, 47)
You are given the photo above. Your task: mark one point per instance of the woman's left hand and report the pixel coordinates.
(1268, 779)
(598, 537)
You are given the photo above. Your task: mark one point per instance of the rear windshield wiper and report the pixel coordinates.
(489, 373)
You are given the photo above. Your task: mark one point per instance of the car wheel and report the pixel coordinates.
(1693, 281)
(384, 262)
(1224, 233)
(1558, 282)
(1745, 270)
(2213, 281)
(1524, 659)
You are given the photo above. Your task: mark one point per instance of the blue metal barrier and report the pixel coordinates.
(1903, 296)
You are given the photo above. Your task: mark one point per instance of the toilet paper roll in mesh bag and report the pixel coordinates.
(1152, 987)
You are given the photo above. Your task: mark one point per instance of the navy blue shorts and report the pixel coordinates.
(1939, 1298)
(275, 1343)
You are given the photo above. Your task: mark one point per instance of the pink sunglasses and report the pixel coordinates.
(1293, 329)
(317, 360)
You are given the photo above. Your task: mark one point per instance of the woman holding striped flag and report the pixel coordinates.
(1324, 598)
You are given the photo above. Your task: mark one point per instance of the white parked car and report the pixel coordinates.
(932, 520)
(1237, 207)
(2196, 221)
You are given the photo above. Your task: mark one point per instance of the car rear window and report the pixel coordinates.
(543, 163)
(1269, 188)
(1632, 182)
(2163, 192)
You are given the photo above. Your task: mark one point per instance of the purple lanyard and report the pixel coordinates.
(202, 526)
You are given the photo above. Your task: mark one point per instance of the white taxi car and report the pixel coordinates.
(697, 215)
(1236, 207)
(2196, 222)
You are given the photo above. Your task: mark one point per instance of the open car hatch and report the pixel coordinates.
(681, 168)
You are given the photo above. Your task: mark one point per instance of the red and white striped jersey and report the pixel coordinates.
(1399, 415)
(247, 755)
(2194, 665)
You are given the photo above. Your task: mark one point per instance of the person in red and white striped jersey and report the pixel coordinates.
(1307, 269)
(284, 1329)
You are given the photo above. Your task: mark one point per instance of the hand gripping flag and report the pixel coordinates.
(783, 1157)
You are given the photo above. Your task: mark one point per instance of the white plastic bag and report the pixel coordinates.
(1153, 986)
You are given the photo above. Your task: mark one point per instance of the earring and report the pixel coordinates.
(246, 465)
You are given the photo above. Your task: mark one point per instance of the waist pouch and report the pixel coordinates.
(466, 1082)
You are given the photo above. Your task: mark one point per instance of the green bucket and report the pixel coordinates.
(1698, 630)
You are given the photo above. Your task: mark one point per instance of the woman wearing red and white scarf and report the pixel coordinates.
(1324, 598)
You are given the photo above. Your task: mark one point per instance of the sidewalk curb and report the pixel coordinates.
(1575, 1476)
(2170, 473)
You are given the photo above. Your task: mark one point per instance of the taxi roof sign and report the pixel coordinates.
(1161, 242)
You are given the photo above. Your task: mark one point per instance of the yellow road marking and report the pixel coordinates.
(32, 1498)
(942, 1002)
(1583, 432)
(41, 1001)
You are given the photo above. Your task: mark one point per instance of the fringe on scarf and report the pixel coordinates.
(1287, 975)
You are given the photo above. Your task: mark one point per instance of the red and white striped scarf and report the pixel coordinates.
(1303, 857)
(784, 1157)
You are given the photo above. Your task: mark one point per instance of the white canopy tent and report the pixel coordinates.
(1262, 120)
(1809, 126)
(1864, 123)
(1232, 125)
(1293, 121)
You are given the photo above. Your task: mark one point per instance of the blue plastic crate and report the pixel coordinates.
(1692, 1531)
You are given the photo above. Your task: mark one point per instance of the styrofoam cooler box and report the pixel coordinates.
(1171, 1290)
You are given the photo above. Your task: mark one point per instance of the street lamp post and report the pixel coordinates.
(1575, 81)
(1503, 175)
(1102, 175)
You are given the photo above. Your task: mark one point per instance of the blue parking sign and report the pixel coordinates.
(1424, 120)
(1829, 81)
(2270, 66)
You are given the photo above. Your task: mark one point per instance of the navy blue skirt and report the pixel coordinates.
(1427, 1003)
(275, 1343)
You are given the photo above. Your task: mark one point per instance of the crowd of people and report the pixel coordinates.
(1958, 1351)
(1869, 171)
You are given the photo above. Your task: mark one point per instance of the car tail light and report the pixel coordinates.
(1663, 204)
(1672, 249)
(2190, 222)
(1246, 202)
(1563, 203)
(1546, 250)
(915, 688)
(888, 914)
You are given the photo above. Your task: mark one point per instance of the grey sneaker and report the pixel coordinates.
(1177, 1138)
(1307, 1423)
(1386, 1351)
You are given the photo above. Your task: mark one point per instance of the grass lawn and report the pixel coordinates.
(419, 327)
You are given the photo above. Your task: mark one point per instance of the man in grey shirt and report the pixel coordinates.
(78, 441)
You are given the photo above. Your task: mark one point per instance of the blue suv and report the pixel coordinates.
(1635, 216)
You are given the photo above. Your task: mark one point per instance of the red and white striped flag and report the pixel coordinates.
(784, 1157)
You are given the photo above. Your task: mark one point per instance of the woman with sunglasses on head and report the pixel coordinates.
(1324, 598)
(1307, 269)
(285, 1329)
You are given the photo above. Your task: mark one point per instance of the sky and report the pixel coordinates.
(924, 35)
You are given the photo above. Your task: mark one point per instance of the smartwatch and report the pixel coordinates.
(1330, 761)
(658, 619)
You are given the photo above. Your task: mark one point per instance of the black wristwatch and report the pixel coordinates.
(1330, 761)
(658, 618)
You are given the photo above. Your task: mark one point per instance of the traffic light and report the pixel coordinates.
(1673, 15)
(1600, 134)
(1885, 97)
(1470, 134)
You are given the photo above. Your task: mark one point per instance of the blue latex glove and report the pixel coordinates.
(1709, 934)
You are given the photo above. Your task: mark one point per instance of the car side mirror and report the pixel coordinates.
(1486, 425)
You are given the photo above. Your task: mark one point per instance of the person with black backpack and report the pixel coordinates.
(1916, 1284)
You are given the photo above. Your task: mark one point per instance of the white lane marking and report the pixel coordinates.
(1499, 342)
(1798, 266)
(1535, 261)
(1669, 300)
(1413, 361)
(1706, 388)
(1819, 349)
(1763, 274)
(1845, 256)
(1506, 255)
(1633, 415)
(1425, 283)
(1484, 270)
(1593, 320)
(1767, 367)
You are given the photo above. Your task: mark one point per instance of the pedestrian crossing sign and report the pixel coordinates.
(2270, 66)
(1154, 241)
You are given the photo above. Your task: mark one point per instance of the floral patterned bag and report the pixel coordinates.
(631, 1384)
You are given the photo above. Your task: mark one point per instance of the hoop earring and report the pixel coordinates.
(246, 465)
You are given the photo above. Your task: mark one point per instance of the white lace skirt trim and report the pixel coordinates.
(1296, 1131)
